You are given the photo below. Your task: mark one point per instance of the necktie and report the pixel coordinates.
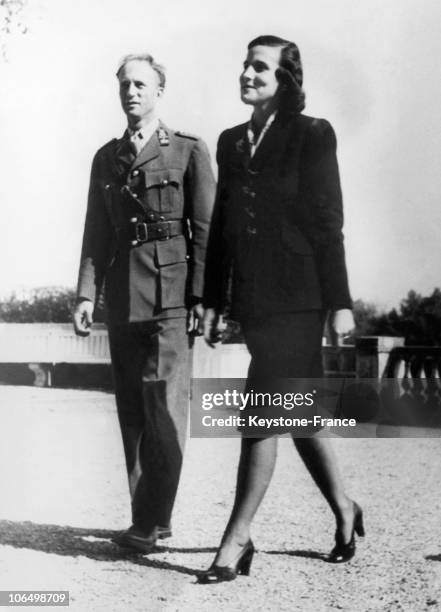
(137, 142)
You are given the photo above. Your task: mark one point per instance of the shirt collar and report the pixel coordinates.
(147, 131)
(252, 140)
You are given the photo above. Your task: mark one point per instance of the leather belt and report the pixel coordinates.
(141, 232)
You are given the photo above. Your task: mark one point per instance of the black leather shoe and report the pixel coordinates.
(225, 573)
(344, 552)
(136, 539)
(125, 538)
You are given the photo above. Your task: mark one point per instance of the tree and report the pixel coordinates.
(42, 305)
(365, 315)
(418, 319)
(11, 12)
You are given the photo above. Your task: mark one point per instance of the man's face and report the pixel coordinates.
(139, 90)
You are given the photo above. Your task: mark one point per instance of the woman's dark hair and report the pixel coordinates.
(289, 74)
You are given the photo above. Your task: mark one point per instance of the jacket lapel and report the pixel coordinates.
(122, 155)
(149, 152)
(124, 160)
(273, 144)
(239, 151)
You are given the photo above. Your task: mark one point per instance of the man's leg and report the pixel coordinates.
(128, 357)
(151, 365)
(165, 395)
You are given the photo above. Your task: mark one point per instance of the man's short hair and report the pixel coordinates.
(144, 57)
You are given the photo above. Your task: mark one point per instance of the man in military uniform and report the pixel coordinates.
(150, 199)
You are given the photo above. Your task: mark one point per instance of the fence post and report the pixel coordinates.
(372, 353)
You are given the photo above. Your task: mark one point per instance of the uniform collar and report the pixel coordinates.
(147, 131)
(122, 160)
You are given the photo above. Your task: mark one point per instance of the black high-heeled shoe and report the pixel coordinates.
(225, 573)
(344, 552)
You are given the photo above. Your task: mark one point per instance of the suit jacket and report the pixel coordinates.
(276, 242)
(171, 179)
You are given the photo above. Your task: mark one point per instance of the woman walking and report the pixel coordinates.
(276, 248)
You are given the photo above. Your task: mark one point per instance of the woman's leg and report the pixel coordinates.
(256, 466)
(290, 347)
(321, 462)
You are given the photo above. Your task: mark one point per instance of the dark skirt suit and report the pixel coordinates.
(275, 254)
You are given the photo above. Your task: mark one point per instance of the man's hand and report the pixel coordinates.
(83, 317)
(341, 324)
(194, 319)
(213, 327)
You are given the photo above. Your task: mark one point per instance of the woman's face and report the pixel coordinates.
(258, 82)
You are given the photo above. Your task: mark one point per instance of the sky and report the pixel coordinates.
(371, 68)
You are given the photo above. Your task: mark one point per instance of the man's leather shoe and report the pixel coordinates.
(137, 540)
(140, 540)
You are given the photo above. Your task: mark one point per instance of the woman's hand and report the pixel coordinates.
(341, 324)
(213, 326)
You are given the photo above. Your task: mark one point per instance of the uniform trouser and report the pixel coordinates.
(151, 371)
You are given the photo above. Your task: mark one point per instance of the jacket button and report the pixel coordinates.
(164, 182)
(150, 216)
(249, 192)
(135, 172)
(251, 230)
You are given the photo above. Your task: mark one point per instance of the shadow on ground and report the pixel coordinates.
(306, 554)
(92, 543)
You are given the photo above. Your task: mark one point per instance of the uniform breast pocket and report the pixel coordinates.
(164, 190)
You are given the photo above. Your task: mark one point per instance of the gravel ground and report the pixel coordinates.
(64, 494)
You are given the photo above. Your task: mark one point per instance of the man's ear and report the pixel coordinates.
(160, 92)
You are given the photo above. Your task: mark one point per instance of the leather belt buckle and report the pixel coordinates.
(141, 232)
(138, 232)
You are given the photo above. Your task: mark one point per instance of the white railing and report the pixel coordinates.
(224, 361)
(57, 343)
(51, 343)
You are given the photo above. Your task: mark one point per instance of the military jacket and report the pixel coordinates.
(276, 241)
(169, 180)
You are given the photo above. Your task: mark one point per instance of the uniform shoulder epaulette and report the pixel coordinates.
(186, 135)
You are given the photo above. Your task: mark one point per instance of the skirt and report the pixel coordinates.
(285, 367)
